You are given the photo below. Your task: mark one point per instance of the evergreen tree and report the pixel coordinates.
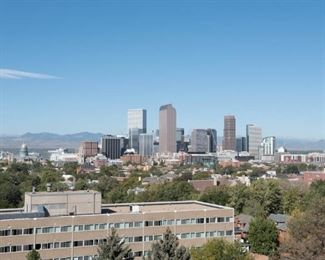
(33, 255)
(114, 248)
(168, 248)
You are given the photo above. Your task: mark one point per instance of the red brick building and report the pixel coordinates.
(312, 176)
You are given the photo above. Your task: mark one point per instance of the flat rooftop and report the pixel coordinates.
(60, 193)
(163, 206)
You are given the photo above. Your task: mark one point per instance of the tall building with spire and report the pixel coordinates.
(167, 129)
(229, 133)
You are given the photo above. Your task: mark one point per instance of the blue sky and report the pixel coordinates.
(262, 61)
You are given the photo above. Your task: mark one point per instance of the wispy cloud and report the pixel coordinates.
(18, 74)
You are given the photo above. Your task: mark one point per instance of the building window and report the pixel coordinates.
(185, 221)
(148, 223)
(89, 227)
(128, 240)
(221, 219)
(137, 254)
(38, 230)
(158, 223)
(15, 248)
(128, 225)
(57, 229)
(46, 230)
(4, 249)
(229, 233)
(28, 247)
(66, 229)
(221, 233)
(157, 237)
(78, 228)
(200, 221)
(65, 244)
(148, 238)
(102, 241)
(185, 235)
(5, 233)
(38, 246)
(56, 245)
(211, 234)
(138, 239)
(47, 246)
(169, 222)
(28, 231)
(212, 220)
(200, 234)
(138, 224)
(16, 232)
(89, 242)
(77, 243)
(102, 226)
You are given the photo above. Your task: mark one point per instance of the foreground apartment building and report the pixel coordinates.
(71, 225)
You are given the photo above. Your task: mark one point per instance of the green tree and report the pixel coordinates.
(292, 199)
(168, 248)
(316, 191)
(70, 168)
(267, 194)
(220, 249)
(239, 196)
(307, 233)
(202, 176)
(218, 195)
(109, 170)
(114, 248)
(263, 236)
(171, 191)
(291, 169)
(81, 184)
(33, 255)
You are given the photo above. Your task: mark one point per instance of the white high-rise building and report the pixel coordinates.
(137, 118)
(137, 124)
(146, 144)
(254, 139)
(268, 146)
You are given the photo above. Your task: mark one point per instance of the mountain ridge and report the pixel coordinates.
(54, 140)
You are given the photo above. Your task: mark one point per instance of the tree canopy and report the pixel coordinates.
(307, 233)
(263, 236)
(220, 249)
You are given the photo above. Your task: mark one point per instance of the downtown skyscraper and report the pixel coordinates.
(167, 129)
(229, 133)
(137, 124)
(137, 118)
(254, 139)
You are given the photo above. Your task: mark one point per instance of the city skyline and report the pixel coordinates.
(208, 60)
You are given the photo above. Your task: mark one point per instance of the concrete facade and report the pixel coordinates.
(78, 236)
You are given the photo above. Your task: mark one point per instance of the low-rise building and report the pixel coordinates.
(311, 176)
(71, 225)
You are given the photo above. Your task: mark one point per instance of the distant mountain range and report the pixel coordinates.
(50, 140)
